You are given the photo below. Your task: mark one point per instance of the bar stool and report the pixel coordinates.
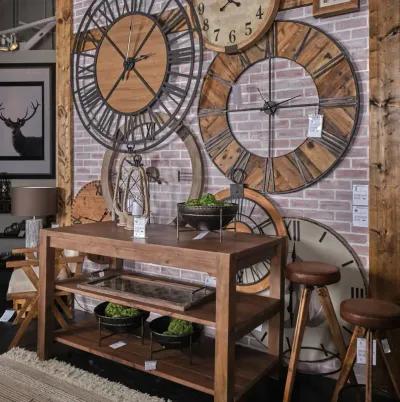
(314, 276)
(371, 318)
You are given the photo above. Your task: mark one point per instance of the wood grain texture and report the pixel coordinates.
(288, 4)
(384, 210)
(64, 118)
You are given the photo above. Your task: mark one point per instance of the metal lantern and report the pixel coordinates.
(131, 193)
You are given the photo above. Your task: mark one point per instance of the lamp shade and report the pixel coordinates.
(34, 201)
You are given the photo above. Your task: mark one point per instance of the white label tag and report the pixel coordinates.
(8, 314)
(139, 227)
(201, 235)
(210, 281)
(150, 365)
(360, 195)
(362, 351)
(118, 345)
(315, 123)
(360, 217)
(386, 346)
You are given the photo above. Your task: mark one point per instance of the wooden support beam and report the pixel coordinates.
(64, 116)
(384, 209)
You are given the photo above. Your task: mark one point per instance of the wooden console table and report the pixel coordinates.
(227, 370)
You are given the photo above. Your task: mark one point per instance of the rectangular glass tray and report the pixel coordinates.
(153, 290)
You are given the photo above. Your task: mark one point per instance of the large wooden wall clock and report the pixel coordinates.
(256, 214)
(232, 25)
(327, 63)
(310, 240)
(131, 61)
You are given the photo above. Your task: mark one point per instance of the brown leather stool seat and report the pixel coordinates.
(312, 273)
(371, 313)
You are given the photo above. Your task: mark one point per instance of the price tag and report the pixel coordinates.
(362, 351)
(118, 345)
(139, 227)
(386, 346)
(150, 365)
(315, 123)
(360, 216)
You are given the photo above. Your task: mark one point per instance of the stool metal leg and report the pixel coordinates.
(348, 363)
(334, 326)
(368, 386)
(391, 366)
(297, 341)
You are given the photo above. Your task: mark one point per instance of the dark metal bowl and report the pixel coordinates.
(160, 325)
(207, 217)
(117, 324)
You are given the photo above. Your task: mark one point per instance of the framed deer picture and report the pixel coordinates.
(27, 121)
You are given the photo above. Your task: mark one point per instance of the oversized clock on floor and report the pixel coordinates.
(131, 61)
(295, 72)
(310, 240)
(256, 213)
(234, 25)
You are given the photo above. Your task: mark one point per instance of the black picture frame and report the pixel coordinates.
(29, 75)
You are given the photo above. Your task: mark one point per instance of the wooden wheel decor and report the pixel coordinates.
(332, 74)
(232, 26)
(310, 240)
(114, 162)
(256, 212)
(132, 62)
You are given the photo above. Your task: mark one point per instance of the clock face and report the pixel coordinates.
(255, 214)
(89, 205)
(310, 240)
(293, 73)
(132, 62)
(230, 26)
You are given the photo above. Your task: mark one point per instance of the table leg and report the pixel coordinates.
(224, 336)
(46, 296)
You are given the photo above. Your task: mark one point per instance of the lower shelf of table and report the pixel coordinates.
(173, 365)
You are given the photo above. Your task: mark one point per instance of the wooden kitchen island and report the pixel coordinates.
(224, 369)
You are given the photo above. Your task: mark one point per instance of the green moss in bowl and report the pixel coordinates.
(179, 328)
(116, 311)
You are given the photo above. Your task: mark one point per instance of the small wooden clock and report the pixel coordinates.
(89, 205)
(231, 26)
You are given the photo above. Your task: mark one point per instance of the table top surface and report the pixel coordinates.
(165, 236)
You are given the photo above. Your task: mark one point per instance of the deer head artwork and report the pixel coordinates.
(26, 147)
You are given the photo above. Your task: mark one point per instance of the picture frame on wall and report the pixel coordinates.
(27, 121)
(331, 8)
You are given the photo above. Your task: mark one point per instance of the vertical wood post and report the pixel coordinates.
(46, 296)
(64, 118)
(224, 335)
(384, 213)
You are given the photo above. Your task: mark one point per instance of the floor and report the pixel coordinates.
(307, 388)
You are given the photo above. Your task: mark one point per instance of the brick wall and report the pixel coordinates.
(328, 201)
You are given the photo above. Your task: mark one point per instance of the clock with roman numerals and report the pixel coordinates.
(263, 98)
(134, 61)
(256, 214)
(310, 240)
(234, 25)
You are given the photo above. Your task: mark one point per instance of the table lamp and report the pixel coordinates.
(34, 202)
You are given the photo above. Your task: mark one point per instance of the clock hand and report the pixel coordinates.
(237, 3)
(127, 50)
(287, 100)
(144, 40)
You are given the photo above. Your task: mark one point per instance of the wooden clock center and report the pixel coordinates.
(143, 68)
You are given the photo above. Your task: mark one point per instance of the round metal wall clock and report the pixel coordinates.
(310, 240)
(231, 26)
(256, 212)
(280, 112)
(133, 60)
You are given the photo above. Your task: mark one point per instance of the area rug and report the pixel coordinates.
(24, 378)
